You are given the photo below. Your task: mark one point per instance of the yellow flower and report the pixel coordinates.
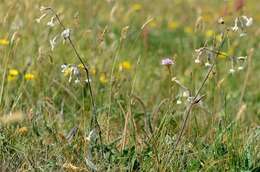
(222, 55)
(125, 65)
(12, 74)
(22, 130)
(29, 76)
(219, 37)
(153, 24)
(209, 33)
(93, 71)
(81, 66)
(172, 25)
(4, 42)
(67, 71)
(188, 30)
(103, 79)
(136, 7)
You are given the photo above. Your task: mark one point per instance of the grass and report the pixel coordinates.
(137, 122)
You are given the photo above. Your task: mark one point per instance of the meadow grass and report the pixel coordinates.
(133, 113)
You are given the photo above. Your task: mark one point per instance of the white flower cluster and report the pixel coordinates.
(241, 23)
(65, 34)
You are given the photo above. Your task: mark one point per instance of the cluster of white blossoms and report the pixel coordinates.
(241, 23)
(207, 55)
(53, 21)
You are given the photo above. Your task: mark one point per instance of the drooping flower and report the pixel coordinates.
(66, 33)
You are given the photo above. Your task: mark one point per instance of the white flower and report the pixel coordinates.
(185, 94)
(240, 68)
(51, 22)
(42, 8)
(248, 21)
(235, 28)
(179, 102)
(197, 60)
(88, 80)
(38, 20)
(77, 81)
(232, 70)
(53, 42)
(66, 33)
(207, 64)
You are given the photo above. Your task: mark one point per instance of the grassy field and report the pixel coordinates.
(106, 85)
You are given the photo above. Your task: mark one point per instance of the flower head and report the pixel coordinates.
(29, 76)
(66, 33)
(167, 62)
(4, 42)
(125, 65)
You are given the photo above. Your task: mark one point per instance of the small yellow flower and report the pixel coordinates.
(209, 33)
(12, 74)
(219, 37)
(29, 76)
(22, 130)
(67, 71)
(136, 7)
(125, 65)
(153, 24)
(81, 66)
(93, 71)
(4, 42)
(222, 55)
(188, 30)
(172, 25)
(103, 79)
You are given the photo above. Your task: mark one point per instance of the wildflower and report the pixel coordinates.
(66, 33)
(172, 25)
(188, 30)
(38, 20)
(12, 74)
(222, 55)
(51, 22)
(136, 7)
(91, 136)
(207, 64)
(235, 28)
(221, 20)
(4, 42)
(103, 79)
(248, 21)
(167, 62)
(197, 60)
(81, 66)
(240, 68)
(53, 42)
(185, 93)
(232, 71)
(71, 70)
(179, 102)
(29, 76)
(125, 65)
(43, 8)
(209, 33)
(22, 130)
